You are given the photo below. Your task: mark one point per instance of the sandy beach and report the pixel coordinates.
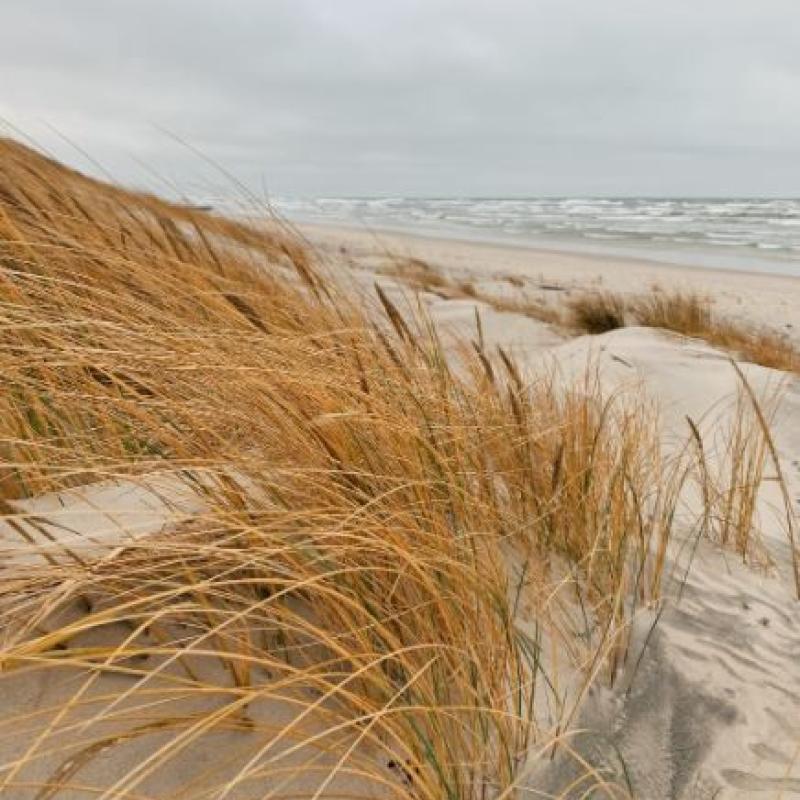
(754, 297)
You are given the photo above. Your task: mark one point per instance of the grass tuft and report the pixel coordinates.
(596, 313)
(688, 314)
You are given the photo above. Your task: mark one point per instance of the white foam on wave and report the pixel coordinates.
(770, 226)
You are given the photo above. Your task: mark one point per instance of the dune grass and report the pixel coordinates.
(420, 276)
(682, 312)
(405, 574)
(733, 463)
(685, 313)
(596, 313)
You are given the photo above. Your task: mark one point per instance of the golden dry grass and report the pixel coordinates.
(418, 275)
(595, 313)
(688, 314)
(409, 561)
(681, 312)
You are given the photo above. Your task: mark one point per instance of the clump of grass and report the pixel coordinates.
(757, 345)
(418, 275)
(691, 315)
(688, 314)
(733, 466)
(466, 289)
(682, 312)
(596, 312)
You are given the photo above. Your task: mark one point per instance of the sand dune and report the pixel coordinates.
(354, 574)
(708, 704)
(752, 297)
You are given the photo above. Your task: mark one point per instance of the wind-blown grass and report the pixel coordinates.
(404, 573)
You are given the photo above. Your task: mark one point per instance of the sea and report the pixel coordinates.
(741, 233)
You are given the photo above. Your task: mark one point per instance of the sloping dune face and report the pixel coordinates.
(707, 708)
(262, 537)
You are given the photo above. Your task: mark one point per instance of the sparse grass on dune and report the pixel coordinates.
(688, 314)
(597, 312)
(732, 466)
(682, 312)
(404, 574)
(691, 315)
(418, 275)
(421, 276)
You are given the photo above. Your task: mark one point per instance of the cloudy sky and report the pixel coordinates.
(416, 97)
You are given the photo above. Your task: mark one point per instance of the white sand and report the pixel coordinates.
(757, 298)
(92, 519)
(712, 708)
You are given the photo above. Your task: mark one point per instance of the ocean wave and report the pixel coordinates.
(770, 225)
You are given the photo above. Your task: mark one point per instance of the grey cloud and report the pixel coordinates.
(435, 97)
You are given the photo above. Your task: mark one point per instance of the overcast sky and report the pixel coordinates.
(417, 97)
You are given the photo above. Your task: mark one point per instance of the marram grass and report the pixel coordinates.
(402, 575)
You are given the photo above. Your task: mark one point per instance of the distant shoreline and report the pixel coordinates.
(588, 253)
(693, 257)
